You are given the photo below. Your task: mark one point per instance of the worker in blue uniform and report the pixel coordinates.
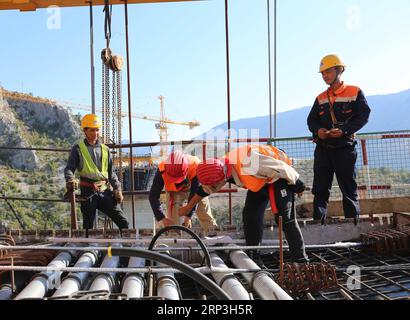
(337, 114)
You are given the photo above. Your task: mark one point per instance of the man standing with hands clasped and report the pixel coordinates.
(337, 114)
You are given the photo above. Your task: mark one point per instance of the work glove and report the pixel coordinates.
(118, 196)
(72, 185)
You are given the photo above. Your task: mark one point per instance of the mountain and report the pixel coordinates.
(26, 121)
(390, 112)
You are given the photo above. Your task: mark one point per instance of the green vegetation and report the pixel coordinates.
(37, 214)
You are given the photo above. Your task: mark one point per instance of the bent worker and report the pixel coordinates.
(177, 174)
(267, 174)
(337, 114)
(99, 184)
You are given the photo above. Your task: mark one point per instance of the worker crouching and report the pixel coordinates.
(266, 172)
(177, 175)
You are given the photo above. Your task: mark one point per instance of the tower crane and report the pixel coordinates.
(161, 122)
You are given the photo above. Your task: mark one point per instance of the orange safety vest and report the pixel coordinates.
(170, 186)
(238, 158)
(345, 94)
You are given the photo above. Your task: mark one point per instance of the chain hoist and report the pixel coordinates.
(111, 91)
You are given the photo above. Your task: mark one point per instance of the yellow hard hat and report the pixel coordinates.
(330, 61)
(90, 121)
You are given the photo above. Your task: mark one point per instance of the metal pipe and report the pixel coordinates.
(9, 287)
(341, 245)
(191, 233)
(309, 296)
(228, 281)
(133, 283)
(92, 59)
(129, 111)
(275, 72)
(46, 280)
(34, 149)
(73, 211)
(228, 95)
(204, 270)
(75, 280)
(6, 291)
(345, 295)
(269, 73)
(261, 282)
(345, 245)
(106, 281)
(167, 285)
(32, 199)
(185, 268)
(281, 263)
(367, 136)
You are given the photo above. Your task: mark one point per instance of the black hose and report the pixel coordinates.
(174, 263)
(190, 232)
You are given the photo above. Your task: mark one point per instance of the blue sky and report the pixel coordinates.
(178, 50)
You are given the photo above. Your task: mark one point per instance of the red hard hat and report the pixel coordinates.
(176, 166)
(213, 171)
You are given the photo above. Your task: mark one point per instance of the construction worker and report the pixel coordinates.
(177, 174)
(99, 185)
(336, 115)
(267, 174)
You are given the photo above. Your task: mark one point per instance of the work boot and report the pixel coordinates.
(301, 260)
(255, 256)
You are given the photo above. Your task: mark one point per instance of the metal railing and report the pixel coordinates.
(383, 164)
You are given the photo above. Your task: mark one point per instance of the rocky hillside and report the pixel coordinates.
(27, 121)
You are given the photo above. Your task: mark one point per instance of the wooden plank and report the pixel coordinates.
(367, 207)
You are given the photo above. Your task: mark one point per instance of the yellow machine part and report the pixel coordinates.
(32, 5)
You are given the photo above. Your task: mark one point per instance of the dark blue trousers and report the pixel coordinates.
(105, 202)
(254, 211)
(339, 161)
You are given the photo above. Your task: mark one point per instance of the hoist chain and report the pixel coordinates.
(119, 121)
(111, 114)
(113, 109)
(107, 105)
(103, 101)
